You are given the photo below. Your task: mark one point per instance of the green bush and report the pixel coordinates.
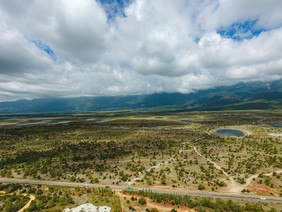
(201, 187)
(142, 201)
(221, 183)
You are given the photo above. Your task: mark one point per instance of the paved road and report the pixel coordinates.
(120, 188)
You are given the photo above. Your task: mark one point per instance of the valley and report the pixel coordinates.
(148, 151)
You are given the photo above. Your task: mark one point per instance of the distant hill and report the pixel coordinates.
(251, 95)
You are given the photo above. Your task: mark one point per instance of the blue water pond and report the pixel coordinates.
(275, 125)
(186, 120)
(230, 132)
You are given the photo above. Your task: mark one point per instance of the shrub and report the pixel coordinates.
(142, 201)
(221, 183)
(39, 192)
(201, 187)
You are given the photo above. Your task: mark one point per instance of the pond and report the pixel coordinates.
(230, 132)
(275, 125)
(186, 120)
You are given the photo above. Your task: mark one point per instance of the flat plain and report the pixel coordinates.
(173, 151)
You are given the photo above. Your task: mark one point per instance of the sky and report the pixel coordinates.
(71, 48)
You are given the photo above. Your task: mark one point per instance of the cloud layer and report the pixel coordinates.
(67, 48)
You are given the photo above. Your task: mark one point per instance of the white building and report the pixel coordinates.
(88, 208)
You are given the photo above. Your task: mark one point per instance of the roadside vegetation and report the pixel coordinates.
(54, 198)
(184, 202)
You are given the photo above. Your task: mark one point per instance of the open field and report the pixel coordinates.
(164, 150)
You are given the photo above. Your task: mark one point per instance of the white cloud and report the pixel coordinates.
(267, 12)
(160, 45)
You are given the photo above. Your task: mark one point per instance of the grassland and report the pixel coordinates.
(148, 150)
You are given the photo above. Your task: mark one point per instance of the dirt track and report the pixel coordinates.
(234, 186)
(31, 196)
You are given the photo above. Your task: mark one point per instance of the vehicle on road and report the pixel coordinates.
(262, 198)
(107, 187)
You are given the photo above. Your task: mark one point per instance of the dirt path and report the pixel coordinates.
(156, 166)
(249, 180)
(247, 132)
(233, 186)
(32, 197)
(149, 169)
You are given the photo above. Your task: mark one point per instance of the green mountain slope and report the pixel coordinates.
(251, 95)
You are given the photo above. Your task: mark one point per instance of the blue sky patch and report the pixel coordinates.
(241, 30)
(45, 48)
(114, 7)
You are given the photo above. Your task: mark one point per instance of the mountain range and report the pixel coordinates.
(241, 96)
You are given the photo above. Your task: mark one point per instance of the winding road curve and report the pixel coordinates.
(31, 198)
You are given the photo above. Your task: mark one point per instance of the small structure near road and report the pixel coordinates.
(88, 208)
